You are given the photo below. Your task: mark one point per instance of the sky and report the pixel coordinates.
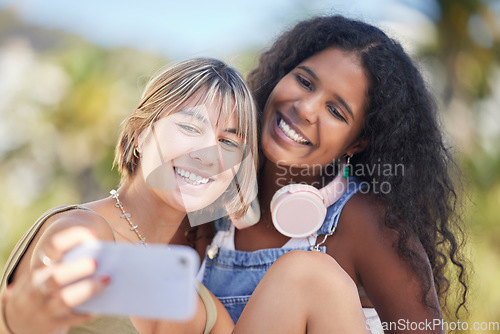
(187, 28)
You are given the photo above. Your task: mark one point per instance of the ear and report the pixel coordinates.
(143, 138)
(358, 146)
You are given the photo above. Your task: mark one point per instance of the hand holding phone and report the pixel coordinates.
(156, 282)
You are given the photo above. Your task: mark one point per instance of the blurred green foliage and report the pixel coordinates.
(464, 61)
(62, 101)
(62, 104)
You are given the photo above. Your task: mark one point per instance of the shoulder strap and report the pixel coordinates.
(23, 244)
(333, 212)
(210, 307)
(222, 224)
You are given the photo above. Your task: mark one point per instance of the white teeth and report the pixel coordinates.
(290, 133)
(190, 178)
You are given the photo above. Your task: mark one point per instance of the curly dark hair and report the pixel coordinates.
(401, 127)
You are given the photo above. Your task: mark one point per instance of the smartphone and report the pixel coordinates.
(153, 281)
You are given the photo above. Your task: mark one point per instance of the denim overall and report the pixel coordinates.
(233, 275)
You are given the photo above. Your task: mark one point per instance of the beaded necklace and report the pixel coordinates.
(126, 216)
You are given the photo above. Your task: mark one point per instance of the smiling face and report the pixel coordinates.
(190, 157)
(315, 113)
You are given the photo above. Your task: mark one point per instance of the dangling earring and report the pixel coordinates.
(136, 153)
(347, 167)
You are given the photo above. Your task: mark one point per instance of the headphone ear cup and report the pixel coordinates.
(298, 210)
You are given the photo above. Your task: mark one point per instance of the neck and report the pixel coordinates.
(156, 220)
(272, 177)
(277, 176)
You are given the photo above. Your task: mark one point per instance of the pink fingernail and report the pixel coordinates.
(105, 280)
(96, 264)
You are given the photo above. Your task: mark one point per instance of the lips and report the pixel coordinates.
(290, 132)
(191, 178)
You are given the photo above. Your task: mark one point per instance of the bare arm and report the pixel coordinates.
(392, 286)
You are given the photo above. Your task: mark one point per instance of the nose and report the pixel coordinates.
(206, 156)
(208, 153)
(308, 108)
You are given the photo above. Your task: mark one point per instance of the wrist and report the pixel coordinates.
(3, 307)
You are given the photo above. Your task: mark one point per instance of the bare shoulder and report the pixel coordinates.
(85, 216)
(362, 238)
(362, 219)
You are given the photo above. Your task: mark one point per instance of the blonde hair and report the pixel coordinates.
(210, 80)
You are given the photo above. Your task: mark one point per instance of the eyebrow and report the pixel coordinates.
(232, 130)
(308, 70)
(191, 112)
(341, 100)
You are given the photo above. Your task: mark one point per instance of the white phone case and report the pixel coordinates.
(156, 282)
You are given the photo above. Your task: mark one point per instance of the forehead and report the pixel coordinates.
(216, 111)
(334, 61)
(205, 114)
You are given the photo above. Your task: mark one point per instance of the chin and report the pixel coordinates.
(197, 203)
(192, 206)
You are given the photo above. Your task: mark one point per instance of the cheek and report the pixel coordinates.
(341, 146)
(336, 141)
(174, 144)
(230, 160)
(156, 158)
(276, 96)
(266, 115)
(150, 158)
(225, 177)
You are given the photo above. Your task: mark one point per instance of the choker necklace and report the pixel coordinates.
(126, 216)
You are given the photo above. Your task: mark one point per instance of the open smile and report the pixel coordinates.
(191, 178)
(290, 133)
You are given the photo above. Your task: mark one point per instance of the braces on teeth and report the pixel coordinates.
(191, 178)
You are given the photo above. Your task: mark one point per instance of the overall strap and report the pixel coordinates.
(333, 212)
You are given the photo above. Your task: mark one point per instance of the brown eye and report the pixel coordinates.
(334, 111)
(303, 82)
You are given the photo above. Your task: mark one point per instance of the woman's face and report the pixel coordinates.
(191, 156)
(316, 112)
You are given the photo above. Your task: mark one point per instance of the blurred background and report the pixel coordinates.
(71, 71)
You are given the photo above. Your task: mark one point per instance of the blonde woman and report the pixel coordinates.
(189, 111)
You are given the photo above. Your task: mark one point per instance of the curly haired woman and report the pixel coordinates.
(334, 91)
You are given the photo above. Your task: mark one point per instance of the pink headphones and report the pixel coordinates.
(298, 210)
